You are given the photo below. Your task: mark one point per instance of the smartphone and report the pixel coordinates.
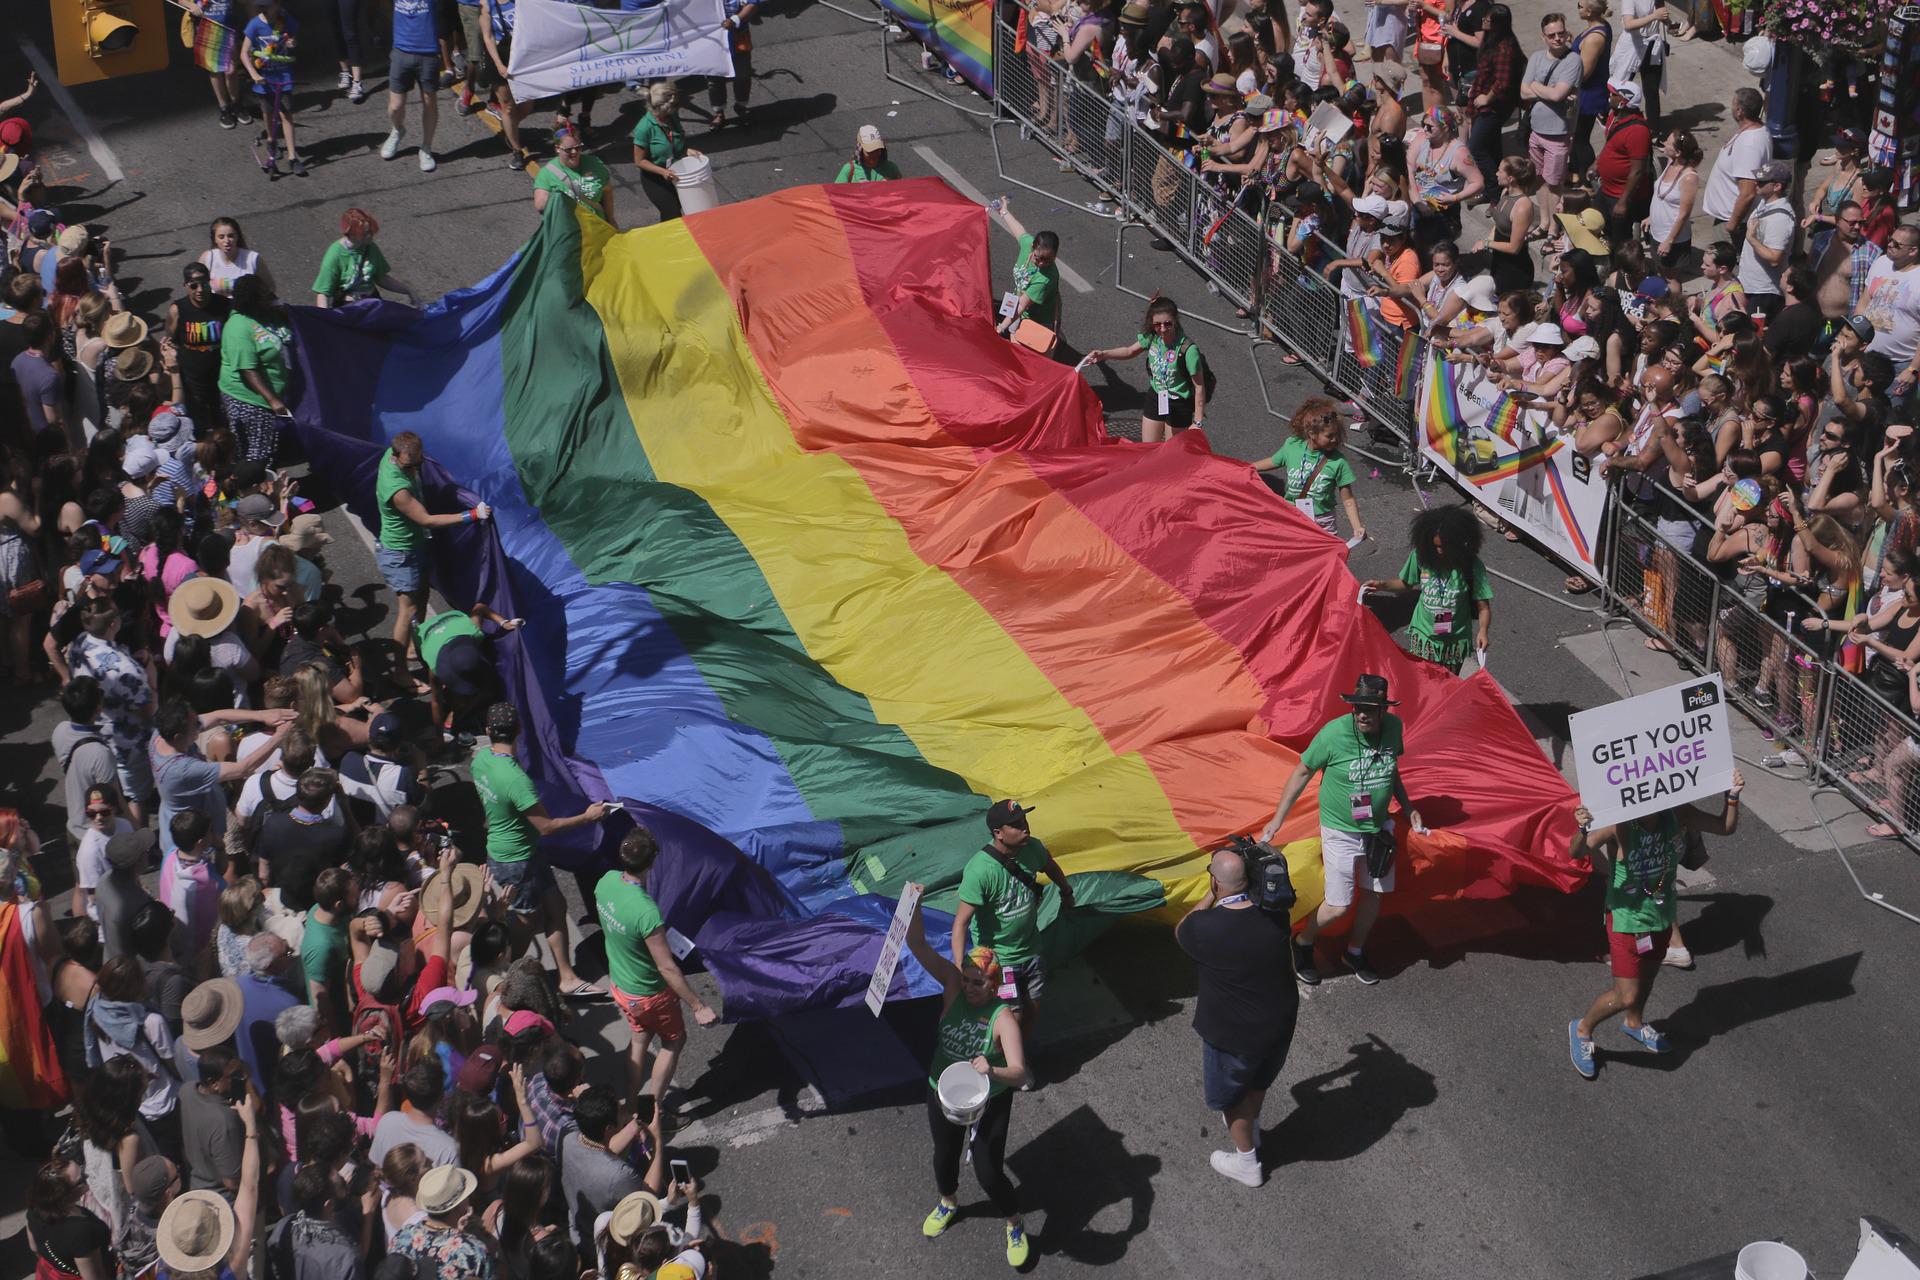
(643, 1110)
(680, 1171)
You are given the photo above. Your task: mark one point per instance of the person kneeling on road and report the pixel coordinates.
(1360, 757)
(1246, 1007)
(1642, 904)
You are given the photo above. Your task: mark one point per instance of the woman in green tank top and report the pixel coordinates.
(976, 1026)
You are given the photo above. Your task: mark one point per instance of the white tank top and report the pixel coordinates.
(224, 273)
(1665, 209)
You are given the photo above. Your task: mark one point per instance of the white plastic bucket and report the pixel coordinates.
(963, 1093)
(1769, 1260)
(693, 175)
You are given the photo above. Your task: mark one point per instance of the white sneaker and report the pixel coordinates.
(1242, 1166)
(391, 147)
(427, 162)
(346, 79)
(1677, 958)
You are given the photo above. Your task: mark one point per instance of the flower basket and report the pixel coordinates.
(1817, 25)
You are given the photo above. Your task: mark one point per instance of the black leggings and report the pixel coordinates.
(989, 1151)
(346, 30)
(665, 196)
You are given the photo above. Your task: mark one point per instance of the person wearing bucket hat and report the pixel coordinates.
(440, 1241)
(1642, 856)
(1584, 231)
(869, 162)
(977, 1029)
(999, 904)
(200, 1232)
(1357, 757)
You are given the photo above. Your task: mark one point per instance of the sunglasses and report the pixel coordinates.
(1831, 438)
(99, 811)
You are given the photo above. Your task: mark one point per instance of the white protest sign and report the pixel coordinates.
(890, 949)
(1654, 751)
(560, 47)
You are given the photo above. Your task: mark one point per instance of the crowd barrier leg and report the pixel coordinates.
(886, 70)
(880, 19)
(1119, 280)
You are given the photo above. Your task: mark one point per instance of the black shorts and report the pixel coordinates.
(406, 70)
(1179, 414)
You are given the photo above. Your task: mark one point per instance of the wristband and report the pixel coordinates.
(1733, 797)
(468, 515)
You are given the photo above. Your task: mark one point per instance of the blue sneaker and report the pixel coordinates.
(1580, 1048)
(1652, 1040)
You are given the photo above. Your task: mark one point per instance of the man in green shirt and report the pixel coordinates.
(1000, 899)
(647, 982)
(459, 658)
(1642, 905)
(406, 528)
(1036, 275)
(1358, 760)
(323, 947)
(516, 823)
(580, 174)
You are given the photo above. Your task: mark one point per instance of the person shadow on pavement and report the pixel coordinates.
(1084, 1166)
(1727, 1006)
(1340, 1113)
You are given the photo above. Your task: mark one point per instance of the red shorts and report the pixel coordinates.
(657, 1014)
(1629, 961)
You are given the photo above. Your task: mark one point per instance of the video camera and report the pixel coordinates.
(1269, 883)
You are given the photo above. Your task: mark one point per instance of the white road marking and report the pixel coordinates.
(1075, 281)
(755, 1127)
(102, 153)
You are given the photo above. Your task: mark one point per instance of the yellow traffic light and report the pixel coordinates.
(105, 39)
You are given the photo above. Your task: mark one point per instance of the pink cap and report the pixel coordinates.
(449, 995)
(527, 1020)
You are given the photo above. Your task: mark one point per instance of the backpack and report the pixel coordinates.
(368, 1015)
(1208, 381)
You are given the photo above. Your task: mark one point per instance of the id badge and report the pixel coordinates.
(1362, 806)
(1164, 408)
(1643, 944)
(1009, 987)
(1443, 622)
(1009, 302)
(1305, 507)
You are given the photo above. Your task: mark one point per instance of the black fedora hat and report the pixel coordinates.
(1369, 691)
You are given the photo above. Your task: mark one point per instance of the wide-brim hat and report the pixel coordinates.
(9, 165)
(1546, 334)
(465, 885)
(203, 606)
(210, 1014)
(124, 330)
(133, 365)
(444, 1189)
(1369, 691)
(1222, 83)
(1135, 14)
(1393, 74)
(1583, 236)
(196, 1232)
(634, 1214)
(1480, 293)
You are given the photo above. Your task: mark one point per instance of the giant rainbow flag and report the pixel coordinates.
(815, 565)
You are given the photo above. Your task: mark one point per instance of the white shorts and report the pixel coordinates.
(1344, 855)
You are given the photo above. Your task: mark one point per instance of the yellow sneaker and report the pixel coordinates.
(939, 1220)
(1016, 1246)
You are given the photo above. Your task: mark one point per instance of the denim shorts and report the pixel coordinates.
(524, 882)
(405, 571)
(405, 70)
(1228, 1077)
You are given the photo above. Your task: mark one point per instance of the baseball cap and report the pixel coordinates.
(453, 997)
(1629, 90)
(1862, 327)
(1372, 205)
(870, 139)
(41, 222)
(258, 508)
(100, 562)
(1774, 171)
(141, 459)
(521, 1021)
(377, 968)
(1399, 218)
(128, 850)
(462, 666)
(386, 730)
(1008, 813)
(1652, 287)
(150, 1179)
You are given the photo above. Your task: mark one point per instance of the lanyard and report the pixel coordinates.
(1231, 899)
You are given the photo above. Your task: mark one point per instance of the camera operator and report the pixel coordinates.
(1246, 1007)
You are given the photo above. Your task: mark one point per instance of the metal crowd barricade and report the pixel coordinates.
(1077, 120)
(1872, 751)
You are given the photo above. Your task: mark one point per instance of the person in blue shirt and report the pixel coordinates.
(414, 62)
(740, 41)
(214, 50)
(267, 51)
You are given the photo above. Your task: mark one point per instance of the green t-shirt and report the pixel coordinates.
(962, 1037)
(347, 272)
(589, 182)
(506, 793)
(1640, 891)
(397, 533)
(247, 344)
(1171, 369)
(1350, 765)
(885, 171)
(1005, 911)
(323, 955)
(1443, 614)
(433, 634)
(627, 915)
(1040, 285)
(1329, 472)
(663, 144)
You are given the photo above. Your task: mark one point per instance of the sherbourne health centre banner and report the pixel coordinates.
(560, 47)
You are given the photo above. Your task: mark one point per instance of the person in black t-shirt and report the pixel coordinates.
(294, 845)
(64, 1234)
(1797, 328)
(1246, 1008)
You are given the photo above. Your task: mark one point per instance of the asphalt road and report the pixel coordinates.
(1427, 1127)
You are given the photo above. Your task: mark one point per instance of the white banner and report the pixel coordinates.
(1518, 465)
(890, 949)
(560, 47)
(1644, 754)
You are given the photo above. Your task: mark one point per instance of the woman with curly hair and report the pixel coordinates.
(1444, 570)
(1311, 468)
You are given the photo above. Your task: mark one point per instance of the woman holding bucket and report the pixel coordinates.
(658, 141)
(978, 1043)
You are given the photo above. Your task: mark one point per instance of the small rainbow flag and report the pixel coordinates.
(1404, 367)
(1363, 335)
(1514, 463)
(1440, 420)
(214, 45)
(1505, 416)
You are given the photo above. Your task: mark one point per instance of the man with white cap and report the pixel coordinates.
(1363, 242)
(1768, 238)
(869, 163)
(1624, 167)
(440, 1241)
(201, 1232)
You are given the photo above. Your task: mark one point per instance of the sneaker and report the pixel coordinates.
(1242, 1166)
(346, 80)
(1016, 1246)
(297, 166)
(1357, 962)
(241, 114)
(1303, 964)
(1788, 759)
(356, 92)
(446, 79)
(1580, 1048)
(1678, 958)
(1766, 733)
(427, 163)
(460, 67)
(1650, 1039)
(391, 147)
(1762, 698)
(464, 106)
(939, 1220)
(227, 119)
